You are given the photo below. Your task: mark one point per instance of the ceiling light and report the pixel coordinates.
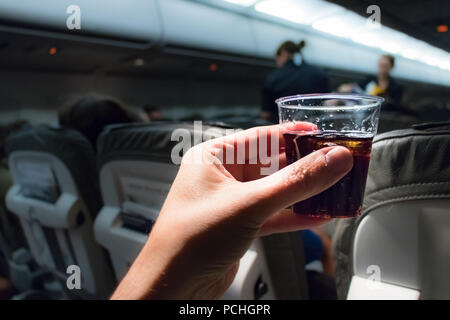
(368, 38)
(244, 3)
(430, 61)
(444, 65)
(392, 41)
(337, 21)
(433, 56)
(410, 54)
(304, 12)
(343, 25)
(351, 25)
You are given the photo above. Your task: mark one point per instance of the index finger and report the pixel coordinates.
(279, 129)
(257, 135)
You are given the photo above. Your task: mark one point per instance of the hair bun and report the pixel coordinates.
(301, 45)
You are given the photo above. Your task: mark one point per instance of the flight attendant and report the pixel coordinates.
(382, 85)
(292, 76)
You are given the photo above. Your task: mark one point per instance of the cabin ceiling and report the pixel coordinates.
(417, 18)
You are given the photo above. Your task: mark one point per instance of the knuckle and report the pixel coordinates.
(305, 173)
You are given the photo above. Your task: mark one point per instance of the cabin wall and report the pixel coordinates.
(36, 96)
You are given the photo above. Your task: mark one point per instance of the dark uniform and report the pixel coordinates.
(290, 80)
(392, 95)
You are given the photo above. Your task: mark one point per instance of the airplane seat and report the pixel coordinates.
(136, 173)
(400, 242)
(394, 120)
(56, 197)
(244, 122)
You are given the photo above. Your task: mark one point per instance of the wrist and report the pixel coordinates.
(159, 272)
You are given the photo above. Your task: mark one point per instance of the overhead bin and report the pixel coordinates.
(196, 25)
(132, 23)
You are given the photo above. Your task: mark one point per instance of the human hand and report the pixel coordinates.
(215, 210)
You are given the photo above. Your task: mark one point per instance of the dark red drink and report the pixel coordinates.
(344, 199)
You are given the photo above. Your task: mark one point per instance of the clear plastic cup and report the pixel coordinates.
(336, 119)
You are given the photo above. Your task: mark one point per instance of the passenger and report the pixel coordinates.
(382, 85)
(153, 113)
(292, 76)
(194, 253)
(91, 113)
(317, 244)
(317, 248)
(142, 114)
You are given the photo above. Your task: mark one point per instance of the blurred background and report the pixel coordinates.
(208, 59)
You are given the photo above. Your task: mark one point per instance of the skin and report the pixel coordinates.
(214, 211)
(154, 115)
(384, 73)
(282, 58)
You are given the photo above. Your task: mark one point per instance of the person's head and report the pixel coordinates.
(89, 114)
(153, 113)
(7, 129)
(287, 50)
(385, 65)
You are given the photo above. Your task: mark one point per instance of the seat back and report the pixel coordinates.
(56, 197)
(136, 173)
(400, 241)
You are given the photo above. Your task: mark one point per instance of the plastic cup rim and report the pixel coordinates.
(376, 101)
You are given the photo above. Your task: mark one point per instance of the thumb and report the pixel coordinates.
(301, 180)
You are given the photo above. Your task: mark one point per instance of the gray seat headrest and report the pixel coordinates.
(409, 164)
(72, 148)
(149, 141)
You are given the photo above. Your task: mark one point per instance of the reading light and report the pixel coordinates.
(442, 28)
(52, 51)
(213, 67)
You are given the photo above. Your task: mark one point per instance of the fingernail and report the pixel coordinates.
(339, 159)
